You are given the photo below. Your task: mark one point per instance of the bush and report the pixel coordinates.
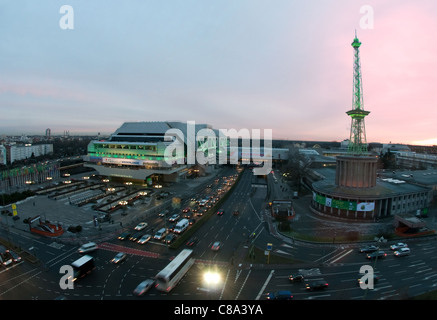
(284, 225)
(74, 229)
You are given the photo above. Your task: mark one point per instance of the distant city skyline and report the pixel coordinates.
(282, 65)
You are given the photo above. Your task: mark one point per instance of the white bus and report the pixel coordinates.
(169, 277)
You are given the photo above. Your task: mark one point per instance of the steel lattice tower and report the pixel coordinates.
(357, 142)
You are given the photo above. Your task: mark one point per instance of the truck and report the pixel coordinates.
(181, 226)
(82, 267)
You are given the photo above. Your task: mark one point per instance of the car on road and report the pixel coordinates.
(163, 213)
(144, 239)
(216, 246)
(192, 221)
(140, 226)
(368, 249)
(296, 278)
(402, 252)
(6, 258)
(136, 236)
(317, 285)
(15, 256)
(124, 235)
(280, 295)
(143, 287)
(119, 257)
(398, 246)
(169, 238)
(376, 254)
(171, 227)
(191, 242)
(220, 212)
(160, 234)
(88, 247)
(188, 215)
(360, 280)
(174, 218)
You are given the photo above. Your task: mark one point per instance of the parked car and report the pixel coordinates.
(143, 287)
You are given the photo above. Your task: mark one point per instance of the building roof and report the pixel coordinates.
(146, 130)
(383, 189)
(135, 128)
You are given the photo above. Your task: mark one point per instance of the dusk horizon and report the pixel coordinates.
(231, 65)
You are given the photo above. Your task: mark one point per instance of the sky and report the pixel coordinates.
(234, 64)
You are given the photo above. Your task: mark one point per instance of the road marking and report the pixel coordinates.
(237, 275)
(343, 255)
(244, 283)
(265, 285)
(318, 296)
(224, 284)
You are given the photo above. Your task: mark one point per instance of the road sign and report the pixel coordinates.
(269, 246)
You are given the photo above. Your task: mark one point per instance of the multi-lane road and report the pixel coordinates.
(337, 264)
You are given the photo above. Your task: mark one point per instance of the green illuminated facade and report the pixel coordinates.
(137, 150)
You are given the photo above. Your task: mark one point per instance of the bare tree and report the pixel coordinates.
(296, 167)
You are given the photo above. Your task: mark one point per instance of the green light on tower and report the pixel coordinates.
(357, 141)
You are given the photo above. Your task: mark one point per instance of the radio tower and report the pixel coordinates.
(357, 141)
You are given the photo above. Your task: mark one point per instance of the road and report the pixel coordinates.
(338, 264)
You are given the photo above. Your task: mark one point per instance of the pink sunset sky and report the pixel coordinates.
(282, 65)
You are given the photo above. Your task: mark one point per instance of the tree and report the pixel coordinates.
(388, 160)
(296, 167)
